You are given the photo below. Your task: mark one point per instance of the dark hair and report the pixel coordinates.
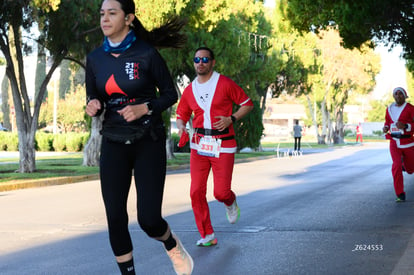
(165, 36)
(206, 49)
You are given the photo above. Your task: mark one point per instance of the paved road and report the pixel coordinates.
(325, 213)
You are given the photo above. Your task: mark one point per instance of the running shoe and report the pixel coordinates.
(209, 240)
(233, 212)
(182, 262)
(400, 198)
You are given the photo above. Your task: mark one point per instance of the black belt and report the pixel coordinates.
(211, 132)
(400, 136)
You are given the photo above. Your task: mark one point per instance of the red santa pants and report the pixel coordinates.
(400, 157)
(222, 175)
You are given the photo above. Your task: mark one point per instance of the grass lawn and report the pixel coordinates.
(71, 165)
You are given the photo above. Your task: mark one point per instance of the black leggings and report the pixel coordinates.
(147, 158)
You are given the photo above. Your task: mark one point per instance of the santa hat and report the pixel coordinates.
(401, 90)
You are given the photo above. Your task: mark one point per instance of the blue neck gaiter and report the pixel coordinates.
(121, 47)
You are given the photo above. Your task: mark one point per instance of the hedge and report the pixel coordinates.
(46, 142)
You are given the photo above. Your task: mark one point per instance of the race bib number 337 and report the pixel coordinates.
(209, 147)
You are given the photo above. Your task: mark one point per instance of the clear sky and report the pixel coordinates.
(392, 73)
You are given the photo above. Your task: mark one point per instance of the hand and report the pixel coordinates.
(400, 125)
(181, 131)
(133, 112)
(222, 123)
(93, 107)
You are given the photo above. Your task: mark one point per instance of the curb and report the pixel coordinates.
(45, 182)
(24, 184)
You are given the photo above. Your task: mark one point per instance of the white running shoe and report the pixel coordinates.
(182, 262)
(209, 240)
(232, 212)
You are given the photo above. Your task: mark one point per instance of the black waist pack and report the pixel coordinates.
(126, 134)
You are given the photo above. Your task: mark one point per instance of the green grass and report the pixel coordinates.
(47, 168)
(71, 165)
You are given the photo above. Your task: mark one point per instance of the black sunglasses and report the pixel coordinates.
(202, 59)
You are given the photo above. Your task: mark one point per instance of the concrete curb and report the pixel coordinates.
(45, 182)
(24, 184)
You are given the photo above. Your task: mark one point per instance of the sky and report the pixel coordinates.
(392, 73)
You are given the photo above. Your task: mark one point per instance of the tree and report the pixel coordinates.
(320, 69)
(378, 107)
(358, 22)
(63, 39)
(344, 71)
(237, 32)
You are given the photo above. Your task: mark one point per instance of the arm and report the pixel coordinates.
(167, 92)
(94, 105)
(225, 122)
(181, 126)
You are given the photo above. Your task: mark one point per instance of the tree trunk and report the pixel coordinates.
(27, 152)
(312, 113)
(169, 146)
(5, 107)
(339, 128)
(91, 152)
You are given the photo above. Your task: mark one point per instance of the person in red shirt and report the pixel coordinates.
(399, 129)
(359, 132)
(210, 98)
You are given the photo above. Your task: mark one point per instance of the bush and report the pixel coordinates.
(3, 141)
(59, 142)
(74, 142)
(44, 142)
(9, 141)
(378, 133)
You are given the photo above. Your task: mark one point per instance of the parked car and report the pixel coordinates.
(2, 128)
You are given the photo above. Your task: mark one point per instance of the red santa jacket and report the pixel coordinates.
(407, 117)
(225, 92)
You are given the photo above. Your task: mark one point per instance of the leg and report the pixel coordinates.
(296, 143)
(200, 169)
(115, 173)
(408, 159)
(149, 170)
(396, 169)
(149, 175)
(223, 173)
(299, 138)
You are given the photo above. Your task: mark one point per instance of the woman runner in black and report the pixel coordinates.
(122, 77)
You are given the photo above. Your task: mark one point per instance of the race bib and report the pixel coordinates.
(209, 147)
(394, 129)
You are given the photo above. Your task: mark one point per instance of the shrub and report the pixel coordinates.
(9, 141)
(74, 142)
(44, 142)
(3, 141)
(59, 142)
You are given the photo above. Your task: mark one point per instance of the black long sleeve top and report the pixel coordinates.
(134, 75)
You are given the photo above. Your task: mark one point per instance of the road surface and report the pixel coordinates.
(323, 213)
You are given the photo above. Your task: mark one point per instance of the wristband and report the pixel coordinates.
(149, 106)
(233, 119)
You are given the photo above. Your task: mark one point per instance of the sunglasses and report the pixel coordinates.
(202, 59)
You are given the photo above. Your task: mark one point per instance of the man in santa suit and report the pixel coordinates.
(399, 129)
(209, 99)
